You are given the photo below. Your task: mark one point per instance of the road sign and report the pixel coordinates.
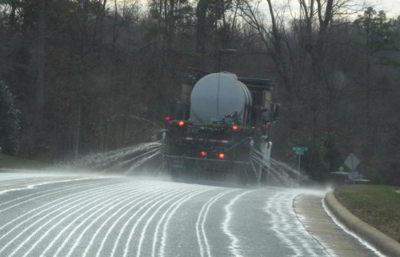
(299, 150)
(352, 161)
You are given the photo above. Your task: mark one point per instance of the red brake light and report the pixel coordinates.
(221, 156)
(235, 127)
(181, 123)
(203, 154)
(168, 118)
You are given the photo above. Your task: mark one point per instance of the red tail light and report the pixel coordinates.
(221, 155)
(181, 123)
(203, 154)
(235, 127)
(168, 118)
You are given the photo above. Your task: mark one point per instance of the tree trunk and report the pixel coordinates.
(201, 26)
(77, 134)
(38, 64)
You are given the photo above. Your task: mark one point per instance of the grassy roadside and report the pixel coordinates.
(12, 162)
(377, 205)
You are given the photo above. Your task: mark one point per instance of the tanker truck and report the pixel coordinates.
(225, 129)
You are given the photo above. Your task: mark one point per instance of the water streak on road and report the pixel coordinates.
(127, 216)
(129, 159)
(126, 159)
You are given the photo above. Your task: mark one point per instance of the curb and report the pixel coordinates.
(382, 242)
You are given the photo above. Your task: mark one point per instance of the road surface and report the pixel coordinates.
(68, 215)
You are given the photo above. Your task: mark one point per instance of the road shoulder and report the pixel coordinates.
(381, 241)
(322, 228)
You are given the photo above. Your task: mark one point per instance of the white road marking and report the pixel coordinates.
(166, 224)
(32, 186)
(99, 213)
(301, 218)
(133, 229)
(71, 223)
(287, 227)
(138, 199)
(142, 234)
(62, 213)
(301, 234)
(278, 226)
(31, 214)
(104, 207)
(44, 193)
(170, 212)
(234, 246)
(351, 233)
(15, 174)
(38, 214)
(117, 240)
(200, 224)
(150, 196)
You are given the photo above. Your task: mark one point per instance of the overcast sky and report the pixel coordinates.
(290, 8)
(392, 7)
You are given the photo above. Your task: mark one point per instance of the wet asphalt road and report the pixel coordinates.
(68, 215)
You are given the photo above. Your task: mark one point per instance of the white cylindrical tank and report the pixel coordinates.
(217, 96)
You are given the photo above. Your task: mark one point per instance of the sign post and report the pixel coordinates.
(299, 151)
(352, 163)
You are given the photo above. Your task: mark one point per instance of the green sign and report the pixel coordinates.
(299, 150)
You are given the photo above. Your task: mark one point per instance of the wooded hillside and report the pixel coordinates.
(95, 75)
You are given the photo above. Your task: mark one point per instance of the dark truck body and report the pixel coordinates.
(194, 145)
